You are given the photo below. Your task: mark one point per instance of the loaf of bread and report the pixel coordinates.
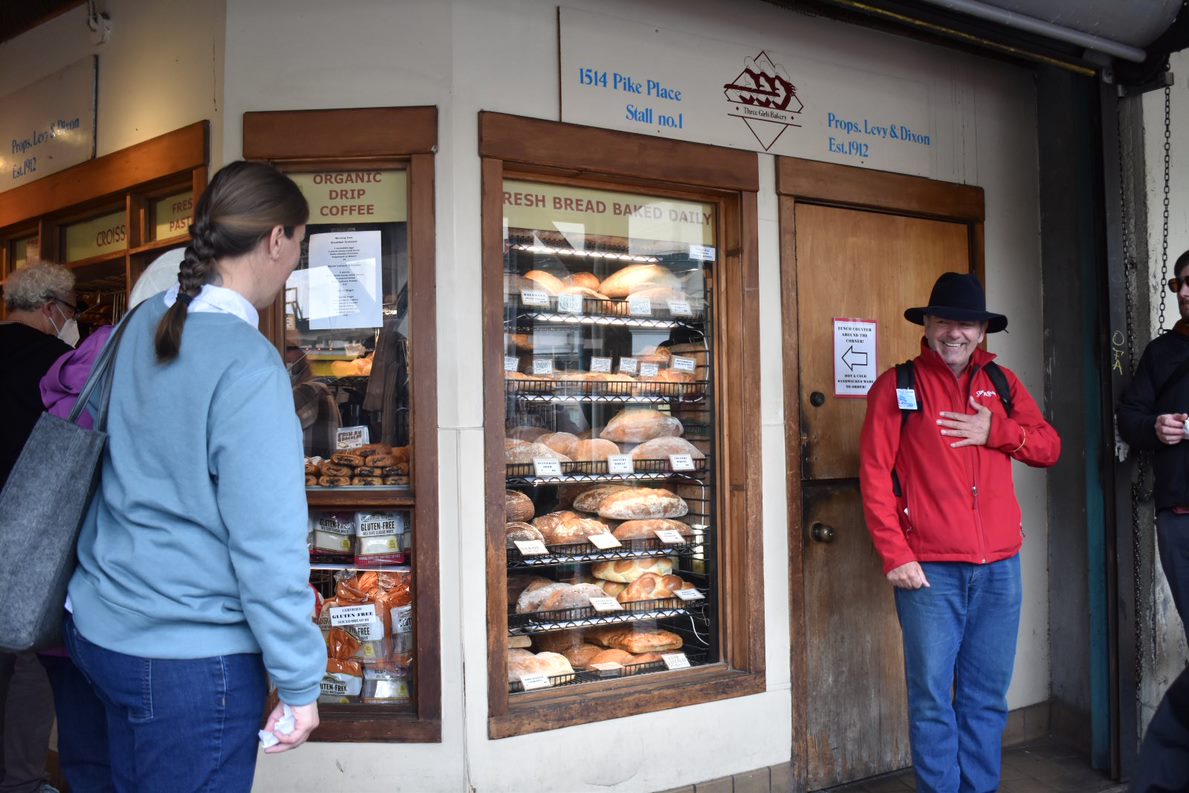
(566, 527)
(517, 507)
(560, 442)
(650, 586)
(579, 656)
(595, 449)
(520, 642)
(647, 529)
(519, 341)
(515, 284)
(601, 634)
(525, 433)
(659, 295)
(626, 571)
(519, 452)
(586, 279)
(558, 642)
(661, 448)
(613, 588)
(517, 531)
(641, 503)
(584, 292)
(573, 596)
(534, 596)
(589, 500)
(645, 641)
(636, 425)
(610, 657)
(522, 662)
(518, 583)
(545, 281)
(658, 355)
(635, 277)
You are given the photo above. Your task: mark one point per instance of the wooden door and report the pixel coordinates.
(859, 264)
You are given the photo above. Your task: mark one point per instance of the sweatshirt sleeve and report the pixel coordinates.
(1025, 435)
(879, 445)
(1137, 406)
(256, 459)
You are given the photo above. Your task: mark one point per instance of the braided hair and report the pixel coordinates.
(241, 206)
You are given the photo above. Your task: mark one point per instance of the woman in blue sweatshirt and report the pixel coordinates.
(192, 581)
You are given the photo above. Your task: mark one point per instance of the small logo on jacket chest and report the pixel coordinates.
(982, 393)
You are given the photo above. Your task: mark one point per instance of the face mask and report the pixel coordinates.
(68, 332)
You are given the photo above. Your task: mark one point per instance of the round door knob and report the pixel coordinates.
(817, 399)
(821, 532)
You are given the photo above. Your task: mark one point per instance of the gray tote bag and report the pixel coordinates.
(42, 507)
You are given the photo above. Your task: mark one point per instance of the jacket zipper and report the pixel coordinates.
(978, 518)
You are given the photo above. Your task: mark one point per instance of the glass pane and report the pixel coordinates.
(24, 251)
(172, 215)
(96, 237)
(610, 436)
(347, 334)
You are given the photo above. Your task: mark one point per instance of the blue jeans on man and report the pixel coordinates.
(180, 725)
(959, 650)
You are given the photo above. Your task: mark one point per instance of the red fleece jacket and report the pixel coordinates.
(957, 505)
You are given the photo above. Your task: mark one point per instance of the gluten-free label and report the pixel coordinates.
(343, 616)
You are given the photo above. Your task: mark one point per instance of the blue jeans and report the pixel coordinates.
(177, 725)
(83, 754)
(959, 648)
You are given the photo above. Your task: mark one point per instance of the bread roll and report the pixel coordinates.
(560, 442)
(626, 571)
(574, 596)
(610, 657)
(649, 586)
(545, 281)
(519, 452)
(636, 425)
(647, 529)
(638, 276)
(640, 503)
(645, 641)
(517, 507)
(593, 450)
(579, 657)
(661, 448)
(587, 280)
(521, 532)
(589, 500)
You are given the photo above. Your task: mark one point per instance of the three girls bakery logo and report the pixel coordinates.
(765, 98)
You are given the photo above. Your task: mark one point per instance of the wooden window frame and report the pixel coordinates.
(801, 181)
(367, 137)
(516, 147)
(175, 160)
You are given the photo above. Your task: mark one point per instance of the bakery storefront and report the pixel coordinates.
(543, 354)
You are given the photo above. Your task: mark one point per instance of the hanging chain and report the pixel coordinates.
(1164, 227)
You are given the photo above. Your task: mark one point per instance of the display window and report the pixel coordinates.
(614, 561)
(355, 325)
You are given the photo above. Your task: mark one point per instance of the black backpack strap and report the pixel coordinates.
(999, 380)
(906, 378)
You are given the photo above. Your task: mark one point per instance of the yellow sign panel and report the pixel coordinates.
(172, 215)
(355, 196)
(549, 207)
(97, 237)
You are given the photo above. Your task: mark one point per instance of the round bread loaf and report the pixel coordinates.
(521, 532)
(625, 571)
(518, 507)
(557, 642)
(574, 596)
(519, 452)
(636, 425)
(592, 450)
(554, 664)
(547, 522)
(640, 503)
(546, 281)
(520, 663)
(644, 658)
(634, 277)
(560, 442)
(649, 586)
(661, 448)
(569, 530)
(533, 599)
(647, 529)
(587, 280)
(579, 657)
(589, 500)
(610, 657)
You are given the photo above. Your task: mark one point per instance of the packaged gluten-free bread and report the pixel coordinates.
(334, 534)
(380, 539)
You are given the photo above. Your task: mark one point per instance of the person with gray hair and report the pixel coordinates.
(39, 326)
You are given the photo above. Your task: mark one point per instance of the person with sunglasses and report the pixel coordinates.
(39, 327)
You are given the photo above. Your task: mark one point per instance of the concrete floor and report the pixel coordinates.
(1044, 766)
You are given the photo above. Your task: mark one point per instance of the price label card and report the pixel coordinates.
(569, 304)
(542, 366)
(604, 541)
(701, 253)
(650, 369)
(683, 364)
(680, 308)
(620, 464)
(605, 604)
(600, 365)
(343, 616)
(681, 462)
(547, 466)
(534, 297)
(689, 594)
(531, 547)
(530, 682)
(639, 307)
(675, 660)
(629, 365)
(670, 537)
(511, 363)
(350, 437)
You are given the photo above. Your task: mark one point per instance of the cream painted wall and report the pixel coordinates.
(470, 55)
(162, 68)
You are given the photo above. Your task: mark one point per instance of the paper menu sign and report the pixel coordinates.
(628, 365)
(346, 438)
(547, 466)
(600, 365)
(675, 660)
(604, 541)
(689, 594)
(670, 537)
(649, 369)
(343, 285)
(569, 304)
(511, 363)
(542, 366)
(680, 308)
(530, 682)
(605, 604)
(534, 297)
(531, 547)
(681, 462)
(682, 364)
(639, 307)
(620, 464)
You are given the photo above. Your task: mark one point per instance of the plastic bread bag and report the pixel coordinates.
(385, 686)
(342, 683)
(334, 534)
(378, 539)
(360, 608)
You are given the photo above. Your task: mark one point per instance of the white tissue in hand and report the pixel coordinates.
(284, 726)
(267, 739)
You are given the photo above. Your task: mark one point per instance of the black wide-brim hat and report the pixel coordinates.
(958, 296)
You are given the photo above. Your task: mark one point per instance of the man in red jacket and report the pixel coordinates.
(936, 475)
